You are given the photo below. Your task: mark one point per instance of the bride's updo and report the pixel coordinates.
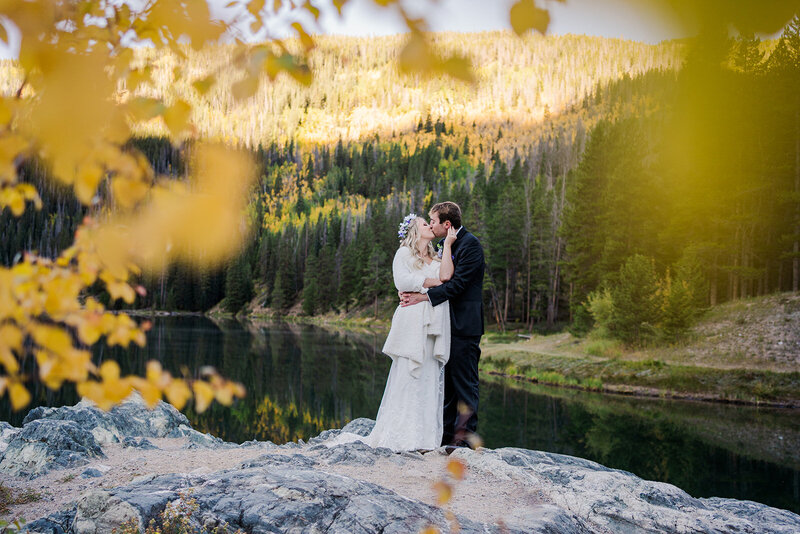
(408, 232)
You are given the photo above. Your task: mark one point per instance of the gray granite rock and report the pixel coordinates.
(131, 418)
(58, 523)
(282, 460)
(198, 440)
(613, 500)
(43, 445)
(294, 499)
(99, 512)
(361, 426)
(355, 453)
(91, 473)
(138, 443)
(6, 433)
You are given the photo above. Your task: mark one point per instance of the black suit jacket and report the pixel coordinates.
(464, 290)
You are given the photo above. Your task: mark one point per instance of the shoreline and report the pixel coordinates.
(651, 393)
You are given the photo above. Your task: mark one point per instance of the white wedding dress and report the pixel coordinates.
(410, 415)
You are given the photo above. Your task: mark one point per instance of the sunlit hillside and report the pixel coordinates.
(358, 93)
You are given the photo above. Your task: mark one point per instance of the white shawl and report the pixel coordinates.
(411, 325)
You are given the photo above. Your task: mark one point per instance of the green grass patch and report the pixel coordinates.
(10, 497)
(603, 348)
(745, 385)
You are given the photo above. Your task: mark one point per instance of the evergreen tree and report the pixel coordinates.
(238, 285)
(636, 310)
(311, 286)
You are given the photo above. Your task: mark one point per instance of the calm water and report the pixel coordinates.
(304, 379)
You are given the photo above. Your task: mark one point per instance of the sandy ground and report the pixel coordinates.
(480, 496)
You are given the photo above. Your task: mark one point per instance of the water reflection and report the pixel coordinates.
(303, 379)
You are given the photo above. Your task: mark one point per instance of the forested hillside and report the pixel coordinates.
(564, 159)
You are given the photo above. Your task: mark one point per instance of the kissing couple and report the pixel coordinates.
(431, 394)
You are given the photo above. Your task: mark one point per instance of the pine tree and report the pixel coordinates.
(636, 310)
(311, 286)
(238, 285)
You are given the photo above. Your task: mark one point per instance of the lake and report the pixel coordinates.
(302, 379)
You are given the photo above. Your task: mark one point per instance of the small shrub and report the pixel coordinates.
(601, 307)
(582, 321)
(176, 518)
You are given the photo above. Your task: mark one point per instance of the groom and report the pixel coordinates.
(464, 292)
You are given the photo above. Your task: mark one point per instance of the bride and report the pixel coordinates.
(410, 415)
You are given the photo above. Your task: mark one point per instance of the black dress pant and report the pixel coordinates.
(461, 386)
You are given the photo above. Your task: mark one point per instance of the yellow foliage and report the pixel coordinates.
(456, 468)
(444, 492)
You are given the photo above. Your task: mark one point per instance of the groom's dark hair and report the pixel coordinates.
(448, 211)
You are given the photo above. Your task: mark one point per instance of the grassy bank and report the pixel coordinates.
(647, 377)
(747, 351)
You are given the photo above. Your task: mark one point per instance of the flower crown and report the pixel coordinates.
(402, 230)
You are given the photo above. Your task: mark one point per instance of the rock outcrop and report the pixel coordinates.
(44, 445)
(69, 436)
(295, 488)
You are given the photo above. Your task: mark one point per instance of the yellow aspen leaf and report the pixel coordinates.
(76, 364)
(474, 440)
(5, 112)
(459, 67)
(151, 393)
(305, 38)
(121, 290)
(10, 340)
(203, 395)
(203, 85)
(144, 109)
(177, 393)
(302, 74)
(128, 192)
(29, 192)
(245, 88)
(19, 396)
(111, 391)
(10, 145)
(3, 385)
(51, 338)
(176, 117)
(61, 296)
(430, 530)
(138, 77)
(11, 337)
(76, 96)
(8, 360)
(526, 16)
(444, 492)
(255, 7)
(109, 371)
(154, 373)
(456, 468)
(416, 55)
(339, 4)
(311, 8)
(89, 330)
(14, 201)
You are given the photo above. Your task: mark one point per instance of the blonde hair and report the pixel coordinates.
(412, 238)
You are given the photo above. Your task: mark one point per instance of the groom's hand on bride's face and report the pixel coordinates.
(409, 299)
